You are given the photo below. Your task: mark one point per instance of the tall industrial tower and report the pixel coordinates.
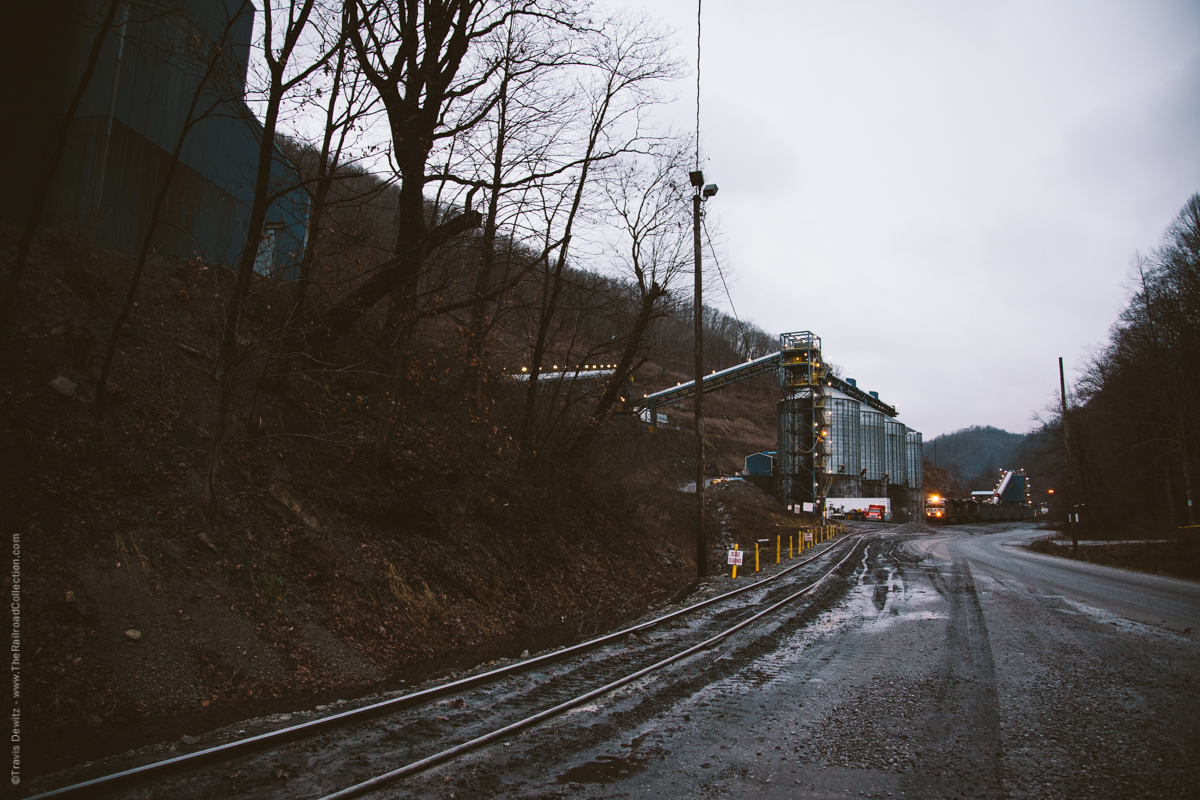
(802, 430)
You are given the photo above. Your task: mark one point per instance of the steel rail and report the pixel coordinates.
(500, 733)
(263, 741)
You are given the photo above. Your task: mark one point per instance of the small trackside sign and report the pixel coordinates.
(808, 536)
(735, 557)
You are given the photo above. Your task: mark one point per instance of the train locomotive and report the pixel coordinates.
(1009, 501)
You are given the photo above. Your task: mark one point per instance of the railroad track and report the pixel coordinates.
(511, 704)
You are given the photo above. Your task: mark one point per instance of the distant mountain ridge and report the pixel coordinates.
(975, 455)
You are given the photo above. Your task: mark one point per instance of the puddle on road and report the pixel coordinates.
(877, 599)
(608, 769)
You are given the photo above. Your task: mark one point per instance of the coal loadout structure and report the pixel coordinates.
(1008, 502)
(840, 449)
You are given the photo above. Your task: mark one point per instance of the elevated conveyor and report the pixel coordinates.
(758, 366)
(717, 380)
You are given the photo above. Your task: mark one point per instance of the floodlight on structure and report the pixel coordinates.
(710, 190)
(697, 178)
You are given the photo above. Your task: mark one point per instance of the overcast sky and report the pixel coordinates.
(948, 193)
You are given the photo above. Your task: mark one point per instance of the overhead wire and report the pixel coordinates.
(728, 295)
(699, 3)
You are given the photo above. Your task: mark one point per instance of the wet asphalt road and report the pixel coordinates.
(950, 665)
(1168, 602)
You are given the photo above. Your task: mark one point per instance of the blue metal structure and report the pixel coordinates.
(1012, 488)
(761, 463)
(130, 121)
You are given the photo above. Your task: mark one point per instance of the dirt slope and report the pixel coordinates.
(322, 576)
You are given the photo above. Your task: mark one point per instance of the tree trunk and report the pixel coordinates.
(228, 356)
(487, 259)
(325, 170)
(402, 270)
(613, 391)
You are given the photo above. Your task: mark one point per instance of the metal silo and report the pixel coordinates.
(914, 472)
(893, 452)
(895, 458)
(842, 445)
(915, 458)
(871, 446)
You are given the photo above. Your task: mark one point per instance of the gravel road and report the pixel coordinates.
(954, 665)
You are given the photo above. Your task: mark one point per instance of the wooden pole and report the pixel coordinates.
(1062, 388)
(701, 535)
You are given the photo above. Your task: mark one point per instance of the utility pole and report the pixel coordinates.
(1062, 388)
(697, 179)
(703, 192)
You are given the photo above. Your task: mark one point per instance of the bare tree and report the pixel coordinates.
(416, 55)
(346, 104)
(1136, 416)
(624, 64)
(283, 34)
(650, 200)
(514, 149)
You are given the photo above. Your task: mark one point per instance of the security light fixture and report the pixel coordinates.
(697, 178)
(710, 190)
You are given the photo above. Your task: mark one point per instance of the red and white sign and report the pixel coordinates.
(808, 536)
(735, 557)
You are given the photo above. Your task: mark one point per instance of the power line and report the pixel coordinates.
(698, 5)
(728, 295)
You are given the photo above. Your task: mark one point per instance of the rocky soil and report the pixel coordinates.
(326, 574)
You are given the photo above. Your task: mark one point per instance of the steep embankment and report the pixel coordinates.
(324, 572)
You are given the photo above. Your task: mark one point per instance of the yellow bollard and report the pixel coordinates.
(778, 537)
(756, 556)
(735, 547)
(791, 551)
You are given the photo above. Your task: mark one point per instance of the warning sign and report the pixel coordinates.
(735, 557)
(808, 536)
